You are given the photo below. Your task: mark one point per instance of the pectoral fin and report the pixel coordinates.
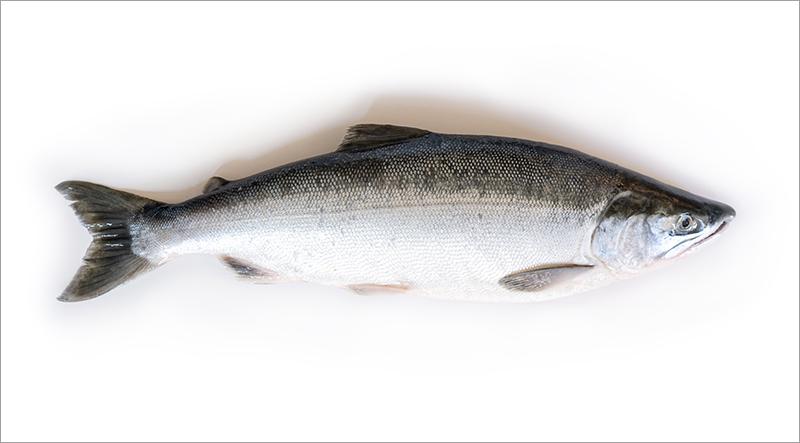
(536, 279)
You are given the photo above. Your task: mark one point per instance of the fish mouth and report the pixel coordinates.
(719, 229)
(722, 226)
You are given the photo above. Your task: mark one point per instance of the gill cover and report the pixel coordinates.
(622, 238)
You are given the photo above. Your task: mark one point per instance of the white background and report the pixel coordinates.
(157, 97)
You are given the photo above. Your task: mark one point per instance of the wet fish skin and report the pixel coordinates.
(443, 215)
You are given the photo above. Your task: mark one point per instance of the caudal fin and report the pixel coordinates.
(109, 261)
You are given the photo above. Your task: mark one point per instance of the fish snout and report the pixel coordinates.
(720, 213)
(719, 216)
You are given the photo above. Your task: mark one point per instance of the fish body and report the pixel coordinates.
(398, 209)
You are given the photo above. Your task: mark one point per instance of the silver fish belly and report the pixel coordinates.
(399, 209)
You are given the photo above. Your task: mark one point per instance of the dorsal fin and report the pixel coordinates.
(214, 183)
(369, 136)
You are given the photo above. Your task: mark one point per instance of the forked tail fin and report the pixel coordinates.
(109, 261)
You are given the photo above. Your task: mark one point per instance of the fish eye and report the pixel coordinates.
(685, 224)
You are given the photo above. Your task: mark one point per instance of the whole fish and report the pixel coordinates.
(398, 209)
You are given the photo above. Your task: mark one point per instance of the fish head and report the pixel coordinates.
(648, 223)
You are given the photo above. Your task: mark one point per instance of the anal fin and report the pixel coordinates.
(542, 277)
(248, 271)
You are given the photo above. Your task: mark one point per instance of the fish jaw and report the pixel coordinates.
(723, 216)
